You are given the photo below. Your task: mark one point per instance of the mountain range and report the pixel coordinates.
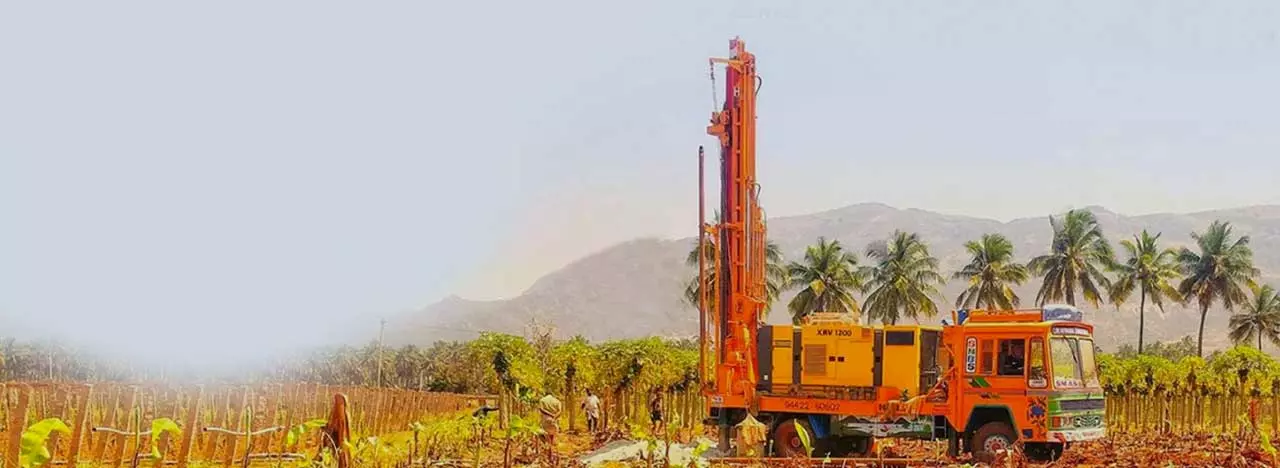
(633, 289)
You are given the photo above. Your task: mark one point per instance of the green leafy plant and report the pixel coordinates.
(34, 453)
(417, 428)
(159, 427)
(670, 432)
(525, 394)
(651, 448)
(442, 436)
(698, 451)
(1264, 440)
(297, 431)
(373, 451)
(480, 425)
(519, 430)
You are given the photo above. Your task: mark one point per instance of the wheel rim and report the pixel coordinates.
(995, 444)
(788, 440)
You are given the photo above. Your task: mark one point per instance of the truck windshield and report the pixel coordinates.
(1088, 366)
(1073, 362)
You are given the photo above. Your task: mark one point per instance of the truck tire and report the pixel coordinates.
(851, 446)
(1044, 451)
(786, 438)
(991, 438)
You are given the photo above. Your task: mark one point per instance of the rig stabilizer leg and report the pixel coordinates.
(725, 433)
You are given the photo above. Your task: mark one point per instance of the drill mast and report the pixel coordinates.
(733, 290)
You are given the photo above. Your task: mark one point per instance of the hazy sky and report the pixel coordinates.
(195, 173)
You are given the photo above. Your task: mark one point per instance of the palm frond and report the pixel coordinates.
(828, 276)
(904, 280)
(1076, 260)
(1220, 272)
(776, 277)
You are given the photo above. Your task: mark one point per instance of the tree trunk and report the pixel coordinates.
(1142, 316)
(1204, 309)
(605, 401)
(620, 408)
(569, 398)
(504, 407)
(1071, 291)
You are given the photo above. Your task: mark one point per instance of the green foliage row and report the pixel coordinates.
(495, 360)
(621, 364)
(1238, 371)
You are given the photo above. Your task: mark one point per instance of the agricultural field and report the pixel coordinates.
(1185, 411)
(1218, 411)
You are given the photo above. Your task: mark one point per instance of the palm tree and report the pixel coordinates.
(1220, 271)
(1260, 318)
(775, 272)
(829, 276)
(1148, 269)
(991, 273)
(904, 280)
(1077, 258)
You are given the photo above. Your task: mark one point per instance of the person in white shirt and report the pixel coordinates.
(592, 406)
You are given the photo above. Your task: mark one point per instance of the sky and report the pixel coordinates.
(187, 176)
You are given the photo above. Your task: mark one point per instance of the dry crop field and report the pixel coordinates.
(102, 420)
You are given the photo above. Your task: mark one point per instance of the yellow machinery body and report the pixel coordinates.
(840, 357)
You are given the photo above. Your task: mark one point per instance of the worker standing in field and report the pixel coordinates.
(592, 407)
(655, 411)
(549, 406)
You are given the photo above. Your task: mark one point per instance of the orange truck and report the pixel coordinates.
(983, 381)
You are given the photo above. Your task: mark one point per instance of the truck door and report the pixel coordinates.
(929, 369)
(1011, 360)
(995, 376)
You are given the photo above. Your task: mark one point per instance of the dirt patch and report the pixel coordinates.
(636, 450)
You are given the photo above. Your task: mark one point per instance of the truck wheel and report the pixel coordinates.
(786, 438)
(1044, 451)
(863, 447)
(990, 439)
(854, 446)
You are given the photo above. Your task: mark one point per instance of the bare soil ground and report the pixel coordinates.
(1120, 450)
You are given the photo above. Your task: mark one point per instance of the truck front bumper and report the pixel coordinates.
(1078, 435)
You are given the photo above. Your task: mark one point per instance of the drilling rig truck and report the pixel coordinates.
(984, 380)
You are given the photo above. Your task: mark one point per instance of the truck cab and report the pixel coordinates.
(1024, 375)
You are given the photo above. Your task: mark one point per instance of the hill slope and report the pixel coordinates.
(633, 289)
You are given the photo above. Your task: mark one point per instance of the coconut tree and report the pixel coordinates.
(1219, 272)
(1148, 269)
(903, 281)
(406, 367)
(991, 274)
(1076, 260)
(775, 271)
(775, 274)
(828, 276)
(1259, 319)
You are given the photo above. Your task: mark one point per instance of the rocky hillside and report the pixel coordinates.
(633, 289)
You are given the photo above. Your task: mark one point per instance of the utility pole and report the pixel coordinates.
(381, 328)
